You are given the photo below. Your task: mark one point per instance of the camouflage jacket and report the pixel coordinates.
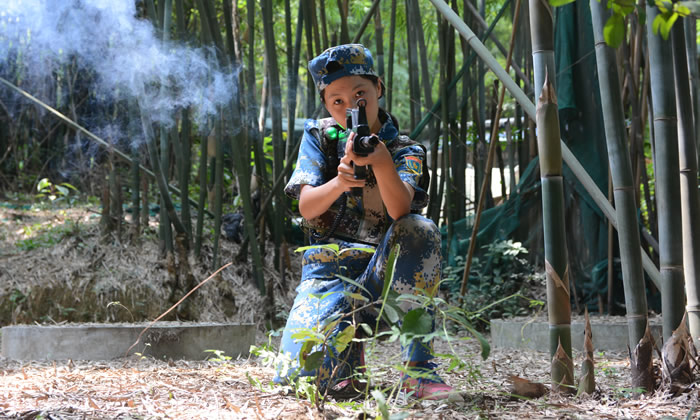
(362, 218)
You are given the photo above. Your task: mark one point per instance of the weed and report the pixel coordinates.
(404, 326)
(40, 235)
(219, 356)
(119, 304)
(17, 297)
(498, 282)
(55, 192)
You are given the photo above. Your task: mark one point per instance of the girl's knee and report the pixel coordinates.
(419, 227)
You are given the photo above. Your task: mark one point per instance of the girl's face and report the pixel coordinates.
(343, 93)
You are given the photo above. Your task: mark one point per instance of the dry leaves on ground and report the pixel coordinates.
(146, 388)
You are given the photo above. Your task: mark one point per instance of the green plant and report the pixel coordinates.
(499, 283)
(218, 356)
(403, 327)
(42, 235)
(54, 192)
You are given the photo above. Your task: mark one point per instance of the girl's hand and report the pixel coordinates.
(380, 157)
(346, 175)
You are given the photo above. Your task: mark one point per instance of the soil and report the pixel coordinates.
(56, 267)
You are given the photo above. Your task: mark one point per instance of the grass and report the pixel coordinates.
(43, 235)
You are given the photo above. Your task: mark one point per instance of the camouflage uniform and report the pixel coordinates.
(364, 224)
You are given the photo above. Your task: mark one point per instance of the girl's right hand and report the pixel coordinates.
(346, 175)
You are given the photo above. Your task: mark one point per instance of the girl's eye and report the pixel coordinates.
(337, 102)
(360, 93)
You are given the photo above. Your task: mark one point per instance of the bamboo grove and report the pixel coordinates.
(447, 66)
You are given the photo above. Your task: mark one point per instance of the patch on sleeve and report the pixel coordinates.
(414, 164)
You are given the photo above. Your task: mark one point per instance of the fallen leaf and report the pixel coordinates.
(525, 388)
(92, 404)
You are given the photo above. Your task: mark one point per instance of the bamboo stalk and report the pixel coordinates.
(218, 193)
(529, 108)
(275, 98)
(690, 26)
(446, 170)
(516, 68)
(690, 201)
(622, 179)
(324, 24)
(292, 72)
(368, 16)
(88, 133)
(183, 148)
(246, 117)
(135, 197)
(390, 69)
(310, 54)
(489, 161)
(185, 166)
(668, 193)
(166, 233)
(160, 176)
(379, 50)
(453, 84)
(413, 78)
(202, 196)
(553, 204)
(553, 223)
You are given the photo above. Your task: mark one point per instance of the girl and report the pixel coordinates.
(359, 215)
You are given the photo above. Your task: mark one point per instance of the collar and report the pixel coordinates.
(388, 130)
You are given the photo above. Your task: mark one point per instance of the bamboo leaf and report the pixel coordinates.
(667, 25)
(357, 296)
(614, 30)
(623, 8)
(664, 5)
(681, 10)
(558, 3)
(354, 283)
(656, 25)
(333, 247)
(390, 265)
(693, 7)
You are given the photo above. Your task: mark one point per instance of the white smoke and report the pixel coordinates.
(126, 58)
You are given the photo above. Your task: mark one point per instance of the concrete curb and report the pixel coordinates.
(609, 333)
(164, 340)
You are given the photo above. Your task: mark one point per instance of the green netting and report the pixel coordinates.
(519, 217)
(497, 223)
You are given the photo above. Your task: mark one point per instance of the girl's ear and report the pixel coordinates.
(380, 88)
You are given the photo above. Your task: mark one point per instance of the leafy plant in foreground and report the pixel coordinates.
(393, 325)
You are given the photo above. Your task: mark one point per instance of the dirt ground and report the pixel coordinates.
(135, 389)
(74, 275)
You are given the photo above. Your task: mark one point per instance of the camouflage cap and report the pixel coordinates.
(339, 61)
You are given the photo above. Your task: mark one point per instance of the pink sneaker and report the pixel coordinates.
(424, 383)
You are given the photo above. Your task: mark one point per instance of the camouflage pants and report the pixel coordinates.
(320, 296)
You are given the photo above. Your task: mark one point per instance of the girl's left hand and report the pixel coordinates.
(379, 157)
